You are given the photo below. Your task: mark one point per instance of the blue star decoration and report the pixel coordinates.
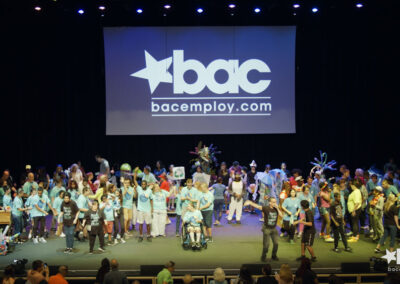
(155, 71)
(390, 256)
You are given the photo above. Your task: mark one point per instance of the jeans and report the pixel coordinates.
(218, 204)
(36, 221)
(267, 235)
(389, 230)
(354, 222)
(178, 223)
(17, 221)
(377, 224)
(336, 231)
(69, 235)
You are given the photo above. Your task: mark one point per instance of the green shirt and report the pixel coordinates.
(164, 276)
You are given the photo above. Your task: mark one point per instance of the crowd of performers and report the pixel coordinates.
(112, 206)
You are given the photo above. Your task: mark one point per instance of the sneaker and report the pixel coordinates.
(62, 235)
(261, 220)
(102, 249)
(118, 236)
(177, 235)
(352, 240)
(329, 240)
(291, 242)
(115, 241)
(168, 222)
(110, 243)
(321, 235)
(210, 240)
(229, 222)
(198, 245)
(30, 236)
(314, 259)
(42, 240)
(335, 250)
(140, 239)
(105, 236)
(66, 250)
(70, 250)
(238, 222)
(90, 252)
(275, 258)
(263, 259)
(377, 250)
(149, 239)
(35, 241)
(193, 245)
(299, 235)
(349, 234)
(122, 240)
(215, 223)
(281, 235)
(347, 249)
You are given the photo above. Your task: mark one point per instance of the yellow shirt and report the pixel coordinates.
(354, 198)
(97, 195)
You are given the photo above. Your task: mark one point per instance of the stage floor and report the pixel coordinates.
(233, 245)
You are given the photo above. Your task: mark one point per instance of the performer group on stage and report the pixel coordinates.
(117, 203)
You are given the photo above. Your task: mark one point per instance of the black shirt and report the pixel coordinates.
(390, 215)
(336, 212)
(224, 176)
(267, 280)
(69, 209)
(308, 276)
(251, 178)
(270, 217)
(96, 220)
(309, 218)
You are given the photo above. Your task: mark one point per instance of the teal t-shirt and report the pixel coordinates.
(160, 200)
(27, 188)
(309, 198)
(391, 190)
(82, 203)
(144, 197)
(193, 218)
(55, 191)
(7, 201)
(108, 211)
(74, 194)
(205, 198)
(41, 202)
(219, 190)
(57, 204)
(292, 205)
(178, 206)
(127, 198)
(18, 203)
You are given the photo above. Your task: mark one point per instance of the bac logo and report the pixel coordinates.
(392, 256)
(157, 72)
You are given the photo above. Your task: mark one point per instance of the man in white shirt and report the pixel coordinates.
(237, 189)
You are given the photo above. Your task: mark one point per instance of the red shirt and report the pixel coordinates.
(57, 279)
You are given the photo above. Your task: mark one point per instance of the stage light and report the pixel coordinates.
(257, 10)
(231, 6)
(37, 8)
(200, 10)
(296, 6)
(167, 6)
(314, 10)
(102, 8)
(81, 12)
(139, 11)
(359, 5)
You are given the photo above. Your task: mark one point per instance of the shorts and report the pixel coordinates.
(109, 227)
(323, 210)
(127, 214)
(308, 237)
(144, 217)
(207, 218)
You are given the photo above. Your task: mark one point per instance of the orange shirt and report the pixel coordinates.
(57, 279)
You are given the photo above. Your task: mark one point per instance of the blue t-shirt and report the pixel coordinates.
(193, 218)
(82, 203)
(194, 194)
(55, 191)
(309, 198)
(371, 186)
(127, 198)
(18, 203)
(391, 190)
(7, 201)
(57, 204)
(219, 190)
(205, 198)
(116, 204)
(41, 202)
(292, 205)
(160, 200)
(74, 194)
(108, 211)
(144, 197)
(27, 188)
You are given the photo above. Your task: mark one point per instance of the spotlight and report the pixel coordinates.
(37, 8)
(81, 12)
(296, 6)
(139, 11)
(200, 10)
(314, 10)
(231, 6)
(167, 6)
(359, 5)
(257, 10)
(102, 8)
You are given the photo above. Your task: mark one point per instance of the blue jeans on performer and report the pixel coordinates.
(69, 235)
(389, 230)
(17, 221)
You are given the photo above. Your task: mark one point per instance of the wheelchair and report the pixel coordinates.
(187, 243)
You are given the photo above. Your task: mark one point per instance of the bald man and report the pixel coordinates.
(59, 278)
(115, 276)
(187, 279)
(29, 184)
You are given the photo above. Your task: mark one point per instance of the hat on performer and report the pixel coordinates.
(126, 167)
(253, 164)
(28, 167)
(378, 188)
(299, 178)
(318, 173)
